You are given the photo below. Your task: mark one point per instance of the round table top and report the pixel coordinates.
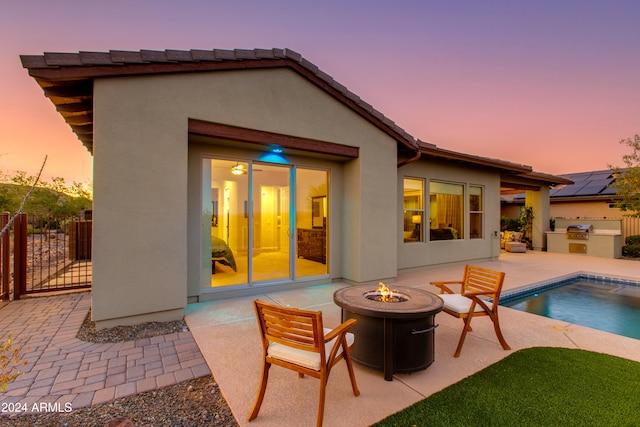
(420, 303)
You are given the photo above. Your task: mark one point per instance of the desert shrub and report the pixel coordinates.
(631, 251)
(10, 360)
(510, 224)
(632, 240)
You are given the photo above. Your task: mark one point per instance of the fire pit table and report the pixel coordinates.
(395, 329)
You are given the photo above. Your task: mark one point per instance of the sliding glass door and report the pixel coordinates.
(262, 223)
(271, 254)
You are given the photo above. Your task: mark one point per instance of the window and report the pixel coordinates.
(446, 203)
(476, 212)
(413, 210)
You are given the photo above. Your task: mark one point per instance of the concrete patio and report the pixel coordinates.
(223, 339)
(227, 335)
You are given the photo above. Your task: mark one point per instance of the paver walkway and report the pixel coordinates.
(64, 371)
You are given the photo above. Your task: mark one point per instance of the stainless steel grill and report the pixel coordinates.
(579, 231)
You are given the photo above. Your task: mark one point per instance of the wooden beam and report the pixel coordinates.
(82, 129)
(75, 107)
(83, 119)
(218, 130)
(68, 91)
(519, 186)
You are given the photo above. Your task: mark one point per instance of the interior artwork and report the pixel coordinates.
(318, 211)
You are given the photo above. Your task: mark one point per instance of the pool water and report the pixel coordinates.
(606, 305)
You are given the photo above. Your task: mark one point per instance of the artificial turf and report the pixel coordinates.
(540, 386)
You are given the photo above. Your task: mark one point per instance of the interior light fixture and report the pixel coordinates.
(238, 169)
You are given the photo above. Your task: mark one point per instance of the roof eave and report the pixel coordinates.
(71, 69)
(503, 166)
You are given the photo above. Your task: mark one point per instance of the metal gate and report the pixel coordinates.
(44, 253)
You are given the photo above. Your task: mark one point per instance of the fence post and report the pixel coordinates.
(20, 256)
(5, 260)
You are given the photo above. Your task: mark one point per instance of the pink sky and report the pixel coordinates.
(551, 84)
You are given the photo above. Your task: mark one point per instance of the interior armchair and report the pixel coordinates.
(479, 296)
(296, 339)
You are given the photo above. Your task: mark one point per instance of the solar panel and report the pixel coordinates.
(567, 191)
(590, 189)
(608, 191)
(586, 184)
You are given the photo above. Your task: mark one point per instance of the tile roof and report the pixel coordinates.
(67, 80)
(67, 70)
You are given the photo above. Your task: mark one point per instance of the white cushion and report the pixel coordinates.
(308, 359)
(460, 304)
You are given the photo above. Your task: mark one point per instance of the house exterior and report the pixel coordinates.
(223, 173)
(590, 195)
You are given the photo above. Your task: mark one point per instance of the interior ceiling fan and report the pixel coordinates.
(240, 169)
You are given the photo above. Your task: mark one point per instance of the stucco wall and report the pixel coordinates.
(539, 200)
(417, 255)
(141, 237)
(592, 209)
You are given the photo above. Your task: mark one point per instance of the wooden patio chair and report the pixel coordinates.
(477, 282)
(295, 339)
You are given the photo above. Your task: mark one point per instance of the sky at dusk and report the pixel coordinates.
(554, 84)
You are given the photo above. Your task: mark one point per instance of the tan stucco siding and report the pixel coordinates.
(416, 255)
(141, 171)
(139, 246)
(539, 201)
(588, 209)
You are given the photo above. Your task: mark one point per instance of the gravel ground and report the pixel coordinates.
(191, 403)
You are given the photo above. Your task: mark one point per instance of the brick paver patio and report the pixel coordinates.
(63, 370)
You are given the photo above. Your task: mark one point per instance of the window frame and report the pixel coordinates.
(413, 211)
(461, 233)
(479, 212)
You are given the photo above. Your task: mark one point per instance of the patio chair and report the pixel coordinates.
(295, 339)
(477, 282)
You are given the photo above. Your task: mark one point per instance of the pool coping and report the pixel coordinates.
(565, 279)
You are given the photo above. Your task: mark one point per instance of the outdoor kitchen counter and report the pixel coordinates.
(600, 243)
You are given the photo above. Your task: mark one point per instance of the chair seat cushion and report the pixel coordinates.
(308, 359)
(460, 304)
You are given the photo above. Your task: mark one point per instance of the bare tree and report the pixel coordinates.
(24, 200)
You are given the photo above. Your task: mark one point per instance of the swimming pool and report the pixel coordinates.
(604, 303)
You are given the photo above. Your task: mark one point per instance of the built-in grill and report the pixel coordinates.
(593, 237)
(579, 231)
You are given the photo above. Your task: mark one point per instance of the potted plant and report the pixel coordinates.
(526, 222)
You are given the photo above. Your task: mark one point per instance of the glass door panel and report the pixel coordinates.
(271, 255)
(225, 223)
(312, 220)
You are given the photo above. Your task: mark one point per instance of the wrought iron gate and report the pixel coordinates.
(44, 253)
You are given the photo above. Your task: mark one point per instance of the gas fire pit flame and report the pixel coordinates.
(384, 294)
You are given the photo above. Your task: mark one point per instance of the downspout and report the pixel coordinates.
(411, 160)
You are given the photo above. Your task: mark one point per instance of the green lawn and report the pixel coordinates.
(536, 387)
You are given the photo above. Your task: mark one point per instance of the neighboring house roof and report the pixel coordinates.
(593, 185)
(67, 80)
